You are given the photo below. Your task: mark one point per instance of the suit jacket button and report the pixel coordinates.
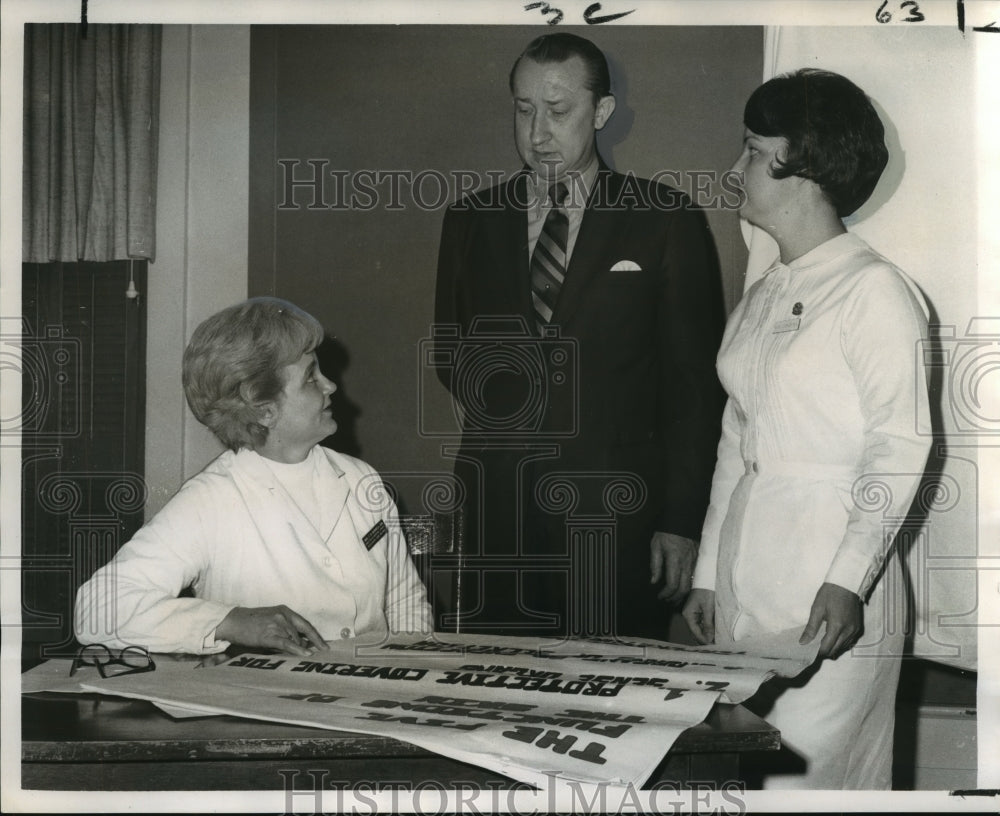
(345, 632)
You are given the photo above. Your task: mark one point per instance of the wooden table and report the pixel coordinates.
(91, 742)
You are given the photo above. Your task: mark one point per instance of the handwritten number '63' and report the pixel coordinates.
(915, 16)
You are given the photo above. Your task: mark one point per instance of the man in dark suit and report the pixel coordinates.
(578, 315)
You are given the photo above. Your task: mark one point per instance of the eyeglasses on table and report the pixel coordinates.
(113, 662)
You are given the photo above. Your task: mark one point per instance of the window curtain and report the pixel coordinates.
(91, 121)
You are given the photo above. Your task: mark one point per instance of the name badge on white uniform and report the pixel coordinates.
(375, 534)
(792, 324)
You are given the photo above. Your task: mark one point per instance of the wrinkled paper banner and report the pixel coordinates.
(534, 709)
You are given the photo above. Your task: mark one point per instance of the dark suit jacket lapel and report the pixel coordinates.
(512, 246)
(506, 248)
(599, 226)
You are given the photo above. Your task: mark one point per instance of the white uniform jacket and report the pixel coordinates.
(824, 436)
(237, 538)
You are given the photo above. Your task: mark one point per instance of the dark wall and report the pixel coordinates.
(82, 491)
(435, 99)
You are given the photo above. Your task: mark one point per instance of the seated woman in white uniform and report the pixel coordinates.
(284, 544)
(821, 452)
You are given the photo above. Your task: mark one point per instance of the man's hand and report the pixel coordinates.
(273, 627)
(699, 612)
(841, 610)
(672, 558)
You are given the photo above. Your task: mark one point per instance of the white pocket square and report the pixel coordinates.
(626, 266)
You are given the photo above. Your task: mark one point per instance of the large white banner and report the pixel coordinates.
(533, 709)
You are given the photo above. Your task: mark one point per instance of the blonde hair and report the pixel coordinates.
(232, 366)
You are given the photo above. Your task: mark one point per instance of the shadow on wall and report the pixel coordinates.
(891, 176)
(619, 126)
(334, 360)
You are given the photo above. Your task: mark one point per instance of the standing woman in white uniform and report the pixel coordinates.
(283, 544)
(820, 455)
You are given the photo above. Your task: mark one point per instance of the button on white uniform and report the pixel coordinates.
(345, 632)
(328, 561)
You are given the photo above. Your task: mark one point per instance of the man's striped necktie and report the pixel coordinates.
(548, 260)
